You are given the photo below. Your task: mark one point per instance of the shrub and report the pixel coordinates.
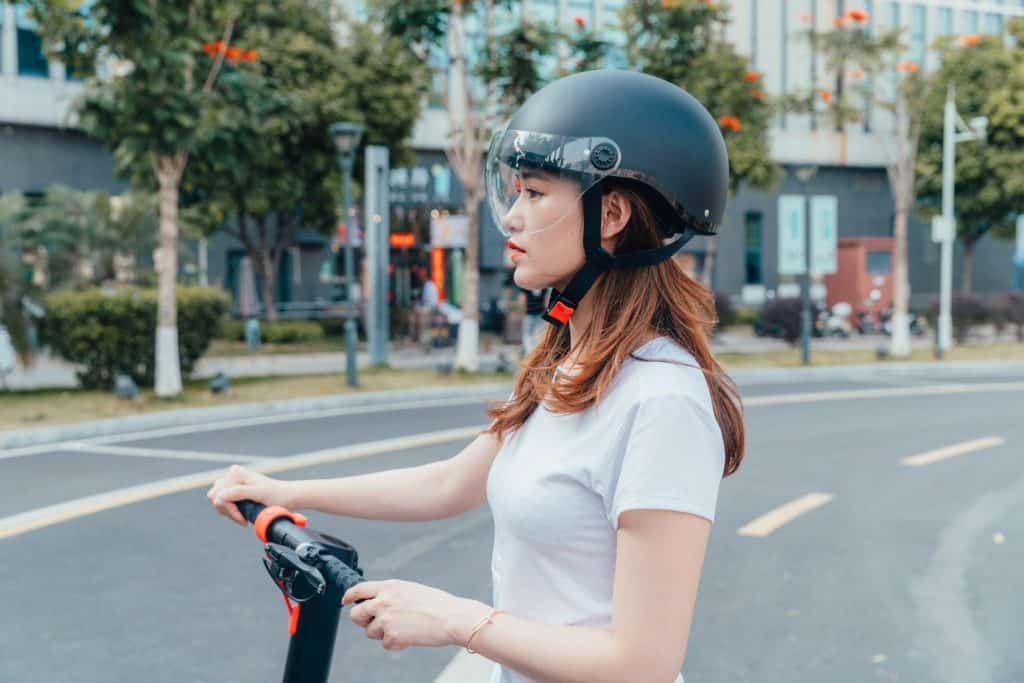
(1008, 309)
(290, 331)
(111, 333)
(968, 311)
(747, 315)
(780, 317)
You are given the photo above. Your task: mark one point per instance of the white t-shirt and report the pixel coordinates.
(558, 484)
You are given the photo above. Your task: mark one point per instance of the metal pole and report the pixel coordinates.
(805, 293)
(375, 211)
(949, 229)
(351, 338)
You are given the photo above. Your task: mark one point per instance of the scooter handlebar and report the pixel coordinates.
(250, 509)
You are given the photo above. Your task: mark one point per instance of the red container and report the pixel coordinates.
(864, 275)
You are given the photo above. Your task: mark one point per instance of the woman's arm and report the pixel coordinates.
(657, 571)
(436, 490)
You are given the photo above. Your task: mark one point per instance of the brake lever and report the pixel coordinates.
(286, 566)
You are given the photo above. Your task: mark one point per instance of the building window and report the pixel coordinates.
(753, 222)
(969, 21)
(944, 21)
(31, 60)
(918, 39)
(894, 14)
(993, 23)
(879, 262)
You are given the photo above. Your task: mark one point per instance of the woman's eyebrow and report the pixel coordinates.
(538, 175)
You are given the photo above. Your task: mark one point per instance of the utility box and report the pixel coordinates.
(864, 275)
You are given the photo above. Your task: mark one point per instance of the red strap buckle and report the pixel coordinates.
(561, 312)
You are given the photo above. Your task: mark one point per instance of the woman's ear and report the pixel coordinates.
(615, 213)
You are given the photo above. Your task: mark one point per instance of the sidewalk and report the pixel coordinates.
(54, 372)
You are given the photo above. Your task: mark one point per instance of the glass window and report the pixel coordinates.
(944, 21)
(31, 60)
(753, 223)
(918, 39)
(879, 262)
(969, 22)
(993, 23)
(894, 14)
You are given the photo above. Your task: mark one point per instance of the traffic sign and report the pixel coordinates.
(824, 234)
(792, 234)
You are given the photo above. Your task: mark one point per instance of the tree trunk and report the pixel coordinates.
(266, 266)
(466, 352)
(967, 271)
(168, 364)
(900, 339)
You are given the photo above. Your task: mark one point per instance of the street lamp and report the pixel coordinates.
(977, 130)
(346, 138)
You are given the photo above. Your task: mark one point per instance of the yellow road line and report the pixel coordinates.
(770, 521)
(80, 507)
(952, 451)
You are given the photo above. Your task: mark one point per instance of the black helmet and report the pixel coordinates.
(623, 124)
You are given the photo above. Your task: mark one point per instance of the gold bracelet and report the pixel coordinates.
(479, 625)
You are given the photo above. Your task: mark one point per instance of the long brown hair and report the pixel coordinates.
(632, 305)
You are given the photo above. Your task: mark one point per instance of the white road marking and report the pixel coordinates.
(80, 507)
(925, 390)
(467, 668)
(241, 422)
(952, 451)
(772, 520)
(160, 453)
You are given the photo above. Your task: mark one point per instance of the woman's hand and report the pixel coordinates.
(404, 614)
(242, 484)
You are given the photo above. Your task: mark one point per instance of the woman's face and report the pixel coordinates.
(546, 223)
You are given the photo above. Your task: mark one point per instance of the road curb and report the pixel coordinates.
(949, 370)
(195, 416)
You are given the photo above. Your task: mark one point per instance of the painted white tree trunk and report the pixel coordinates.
(168, 365)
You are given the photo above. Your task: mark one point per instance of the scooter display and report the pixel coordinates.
(313, 571)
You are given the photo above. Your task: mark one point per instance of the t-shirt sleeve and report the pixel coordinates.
(672, 458)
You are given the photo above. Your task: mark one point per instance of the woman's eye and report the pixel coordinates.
(532, 194)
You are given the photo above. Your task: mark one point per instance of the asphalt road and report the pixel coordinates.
(889, 572)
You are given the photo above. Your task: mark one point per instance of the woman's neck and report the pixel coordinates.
(578, 324)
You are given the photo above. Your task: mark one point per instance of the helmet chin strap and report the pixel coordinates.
(564, 303)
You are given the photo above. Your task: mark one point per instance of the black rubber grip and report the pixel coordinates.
(250, 509)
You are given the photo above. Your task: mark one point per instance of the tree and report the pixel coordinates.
(988, 79)
(680, 42)
(149, 100)
(12, 286)
(868, 71)
(269, 164)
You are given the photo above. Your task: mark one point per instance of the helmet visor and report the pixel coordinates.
(516, 156)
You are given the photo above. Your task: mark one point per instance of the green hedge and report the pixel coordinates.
(110, 333)
(277, 332)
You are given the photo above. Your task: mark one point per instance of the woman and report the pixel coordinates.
(602, 469)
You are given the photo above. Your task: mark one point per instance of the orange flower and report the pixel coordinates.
(752, 76)
(907, 67)
(855, 74)
(234, 54)
(826, 96)
(211, 49)
(729, 123)
(757, 94)
(580, 21)
(250, 55)
(970, 39)
(838, 21)
(670, 4)
(857, 15)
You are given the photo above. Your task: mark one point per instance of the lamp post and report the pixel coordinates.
(346, 138)
(947, 228)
